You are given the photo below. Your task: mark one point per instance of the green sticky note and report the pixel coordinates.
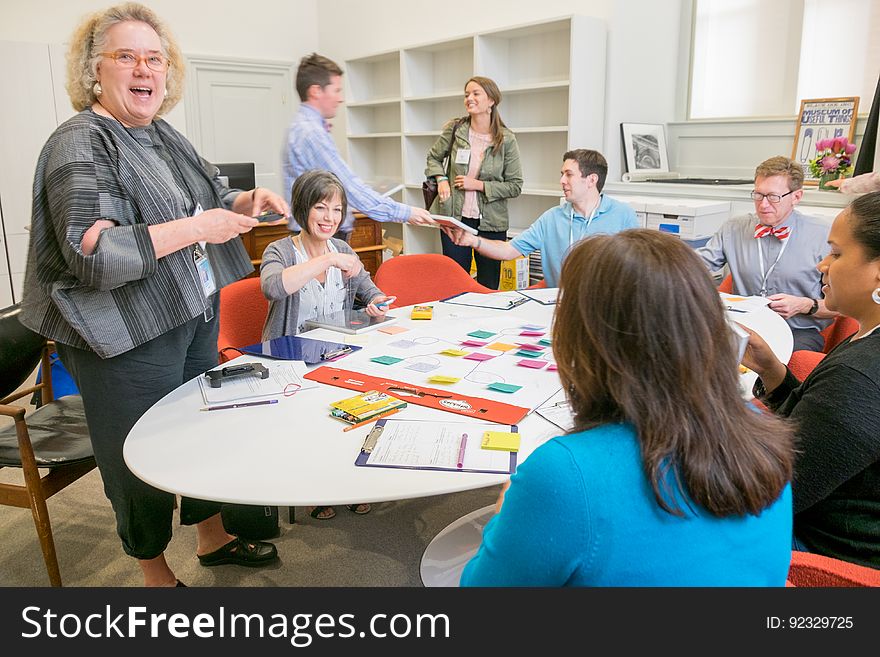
(481, 334)
(544, 341)
(527, 353)
(503, 387)
(386, 360)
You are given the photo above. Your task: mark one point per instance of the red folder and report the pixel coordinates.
(442, 400)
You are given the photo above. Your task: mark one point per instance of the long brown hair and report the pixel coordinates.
(495, 123)
(640, 337)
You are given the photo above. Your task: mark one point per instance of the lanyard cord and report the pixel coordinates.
(766, 274)
(571, 223)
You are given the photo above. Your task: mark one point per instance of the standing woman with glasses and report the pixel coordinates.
(483, 171)
(132, 235)
(774, 252)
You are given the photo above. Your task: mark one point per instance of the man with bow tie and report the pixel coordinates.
(774, 252)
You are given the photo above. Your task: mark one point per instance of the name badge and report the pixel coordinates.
(463, 156)
(206, 273)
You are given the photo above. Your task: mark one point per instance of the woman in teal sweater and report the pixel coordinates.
(668, 478)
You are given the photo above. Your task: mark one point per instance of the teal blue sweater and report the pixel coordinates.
(581, 512)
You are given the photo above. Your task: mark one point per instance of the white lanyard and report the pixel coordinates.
(769, 271)
(571, 223)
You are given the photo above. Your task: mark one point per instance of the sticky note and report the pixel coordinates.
(531, 347)
(527, 353)
(532, 333)
(423, 367)
(503, 441)
(386, 360)
(481, 334)
(478, 356)
(552, 367)
(402, 344)
(501, 346)
(533, 364)
(532, 327)
(503, 387)
(473, 343)
(392, 330)
(544, 341)
(454, 352)
(439, 378)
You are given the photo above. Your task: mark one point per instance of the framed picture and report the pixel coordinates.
(822, 118)
(644, 147)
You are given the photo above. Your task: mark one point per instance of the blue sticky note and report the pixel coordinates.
(386, 360)
(503, 387)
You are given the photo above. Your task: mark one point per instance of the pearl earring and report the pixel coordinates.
(98, 89)
(875, 296)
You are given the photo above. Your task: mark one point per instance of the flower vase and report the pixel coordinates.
(826, 178)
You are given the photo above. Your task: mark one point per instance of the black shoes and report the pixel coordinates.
(240, 552)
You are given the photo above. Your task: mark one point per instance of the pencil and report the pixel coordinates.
(372, 419)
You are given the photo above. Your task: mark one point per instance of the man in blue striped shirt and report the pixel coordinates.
(310, 146)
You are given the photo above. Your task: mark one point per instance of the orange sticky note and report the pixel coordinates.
(392, 330)
(501, 346)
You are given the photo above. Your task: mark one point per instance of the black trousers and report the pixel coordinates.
(488, 269)
(808, 339)
(116, 392)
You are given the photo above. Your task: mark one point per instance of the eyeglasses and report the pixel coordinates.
(127, 59)
(773, 198)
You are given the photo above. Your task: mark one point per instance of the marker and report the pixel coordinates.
(461, 447)
(372, 419)
(241, 405)
(386, 303)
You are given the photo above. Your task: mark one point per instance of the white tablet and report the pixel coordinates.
(452, 222)
(353, 321)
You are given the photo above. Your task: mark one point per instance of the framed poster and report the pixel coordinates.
(644, 147)
(822, 118)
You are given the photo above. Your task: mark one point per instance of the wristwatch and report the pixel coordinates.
(812, 311)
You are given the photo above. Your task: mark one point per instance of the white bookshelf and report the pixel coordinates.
(551, 75)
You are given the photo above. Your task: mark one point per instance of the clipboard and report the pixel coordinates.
(506, 460)
(475, 408)
(502, 300)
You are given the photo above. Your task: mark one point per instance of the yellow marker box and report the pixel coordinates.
(422, 312)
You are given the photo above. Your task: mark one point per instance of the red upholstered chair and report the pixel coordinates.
(243, 310)
(538, 285)
(802, 362)
(726, 285)
(841, 328)
(816, 570)
(424, 277)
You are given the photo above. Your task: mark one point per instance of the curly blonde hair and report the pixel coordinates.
(90, 39)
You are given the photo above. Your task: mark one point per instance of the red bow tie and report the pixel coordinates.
(765, 231)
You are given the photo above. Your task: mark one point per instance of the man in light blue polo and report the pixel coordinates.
(586, 212)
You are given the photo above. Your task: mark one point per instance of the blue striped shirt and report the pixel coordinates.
(310, 146)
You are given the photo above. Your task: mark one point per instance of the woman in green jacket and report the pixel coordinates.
(482, 173)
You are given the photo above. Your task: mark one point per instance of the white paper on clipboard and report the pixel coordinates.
(452, 222)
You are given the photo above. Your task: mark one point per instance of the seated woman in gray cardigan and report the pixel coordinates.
(311, 274)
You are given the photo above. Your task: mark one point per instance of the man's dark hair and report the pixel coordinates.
(589, 162)
(314, 69)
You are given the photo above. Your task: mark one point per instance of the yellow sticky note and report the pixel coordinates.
(454, 352)
(501, 346)
(439, 378)
(503, 441)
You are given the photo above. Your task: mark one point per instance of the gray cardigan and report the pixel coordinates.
(284, 307)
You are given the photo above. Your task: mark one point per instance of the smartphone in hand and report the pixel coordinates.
(268, 216)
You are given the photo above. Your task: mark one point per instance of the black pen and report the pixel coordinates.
(239, 405)
(735, 310)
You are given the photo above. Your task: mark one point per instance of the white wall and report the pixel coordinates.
(261, 29)
(642, 56)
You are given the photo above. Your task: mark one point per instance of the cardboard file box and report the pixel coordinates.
(690, 219)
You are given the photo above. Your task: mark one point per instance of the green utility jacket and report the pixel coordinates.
(500, 171)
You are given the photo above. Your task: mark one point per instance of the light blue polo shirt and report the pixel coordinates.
(560, 227)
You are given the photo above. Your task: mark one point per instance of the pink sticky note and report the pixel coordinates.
(473, 343)
(531, 347)
(392, 330)
(533, 364)
(476, 356)
(552, 367)
(532, 333)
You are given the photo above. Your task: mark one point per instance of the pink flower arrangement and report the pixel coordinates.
(833, 157)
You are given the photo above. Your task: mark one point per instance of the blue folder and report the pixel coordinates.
(294, 347)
